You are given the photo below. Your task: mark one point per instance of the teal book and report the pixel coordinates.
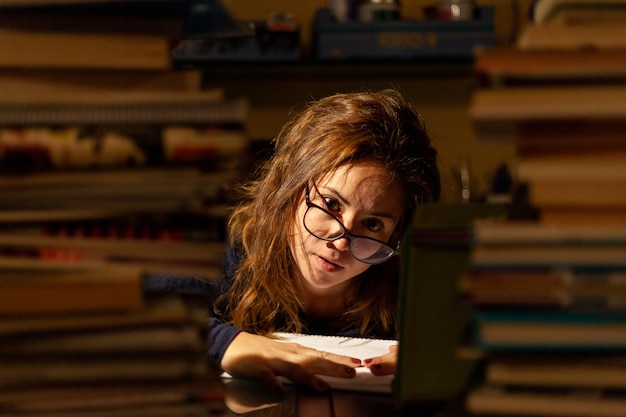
(519, 329)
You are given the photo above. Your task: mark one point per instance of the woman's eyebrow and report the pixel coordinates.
(338, 195)
(382, 214)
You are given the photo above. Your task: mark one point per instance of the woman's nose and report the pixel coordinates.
(341, 244)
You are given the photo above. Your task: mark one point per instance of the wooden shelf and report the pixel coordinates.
(336, 70)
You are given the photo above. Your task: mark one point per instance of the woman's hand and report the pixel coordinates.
(262, 358)
(383, 365)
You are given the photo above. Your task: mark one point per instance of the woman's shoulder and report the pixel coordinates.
(183, 283)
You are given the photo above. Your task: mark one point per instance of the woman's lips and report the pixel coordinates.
(326, 265)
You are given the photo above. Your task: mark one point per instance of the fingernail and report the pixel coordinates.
(321, 385)
(355, 360)
(277, 388)
(368, 360)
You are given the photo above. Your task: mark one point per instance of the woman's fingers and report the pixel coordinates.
(262, 358)
(383, 365)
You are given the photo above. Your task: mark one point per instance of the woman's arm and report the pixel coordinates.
(246, 355)
(265, 359)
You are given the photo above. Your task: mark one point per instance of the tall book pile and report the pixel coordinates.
(119, 158)
(134, 355)
(114, 166)
(549, 296)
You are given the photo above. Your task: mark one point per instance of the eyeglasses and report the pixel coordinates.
(323, 225)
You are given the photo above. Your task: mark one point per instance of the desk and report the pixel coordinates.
(251, 399)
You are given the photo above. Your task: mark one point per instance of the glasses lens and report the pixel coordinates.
(370, 251)
(322, 225)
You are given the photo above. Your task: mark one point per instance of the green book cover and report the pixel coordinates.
(435, 250)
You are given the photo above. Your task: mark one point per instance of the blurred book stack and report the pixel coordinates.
(549, 296)
(114, 166)
(94, 345)
(115, 159)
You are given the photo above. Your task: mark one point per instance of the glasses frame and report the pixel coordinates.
(346, 233)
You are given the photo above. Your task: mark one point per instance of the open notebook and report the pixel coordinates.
(360, 348)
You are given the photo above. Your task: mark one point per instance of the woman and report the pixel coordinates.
(315, 239)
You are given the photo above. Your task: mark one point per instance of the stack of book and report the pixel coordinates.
(94, 345)
(549, 296)
(107, 152)
(114, 166)
(549, 316)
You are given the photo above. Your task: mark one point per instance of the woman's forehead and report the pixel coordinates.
(365, 183)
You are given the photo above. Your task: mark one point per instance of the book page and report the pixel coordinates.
(360, 348)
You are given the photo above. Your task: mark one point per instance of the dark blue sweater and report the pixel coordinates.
(220, 335)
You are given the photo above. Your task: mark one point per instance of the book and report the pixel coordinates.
(574, 24)
(496, 400)
(545, 330)
(437, 244)
(105, 361)
(608, 12)
(158, 309)
(158, 189)
(137, 34)
(497, 114)
(518, 232)
(558, 370)
(201, 259)
(158, 107)
(555, 137)
(33, 49)
(574, 179)
(508, 67)
(545, 287)
(583, 256)
(586, 193)
(584, 215)
(193, 409)
(15, 374)
(543, 11)
(138, 341)
(41, 85)
(113, 398)
(211, 147)
(555, 36)
(124, 248)
(575, 166)
(355, 347)
(35, 288)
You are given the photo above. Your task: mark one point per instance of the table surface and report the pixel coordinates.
(251, 399)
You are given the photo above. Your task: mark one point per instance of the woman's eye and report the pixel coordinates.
(331, 204)
(374, 225)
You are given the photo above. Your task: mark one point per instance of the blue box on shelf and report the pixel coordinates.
(401, 39)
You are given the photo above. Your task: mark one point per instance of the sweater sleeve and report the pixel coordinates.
(220, 337)
(220, 334)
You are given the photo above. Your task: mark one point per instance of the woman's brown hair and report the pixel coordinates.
(327, 134)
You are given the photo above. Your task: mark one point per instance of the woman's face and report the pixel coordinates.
(368, 203)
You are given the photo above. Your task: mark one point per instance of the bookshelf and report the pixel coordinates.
(320, 71)
(440, 89)
(108, 174)
(545, 294)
